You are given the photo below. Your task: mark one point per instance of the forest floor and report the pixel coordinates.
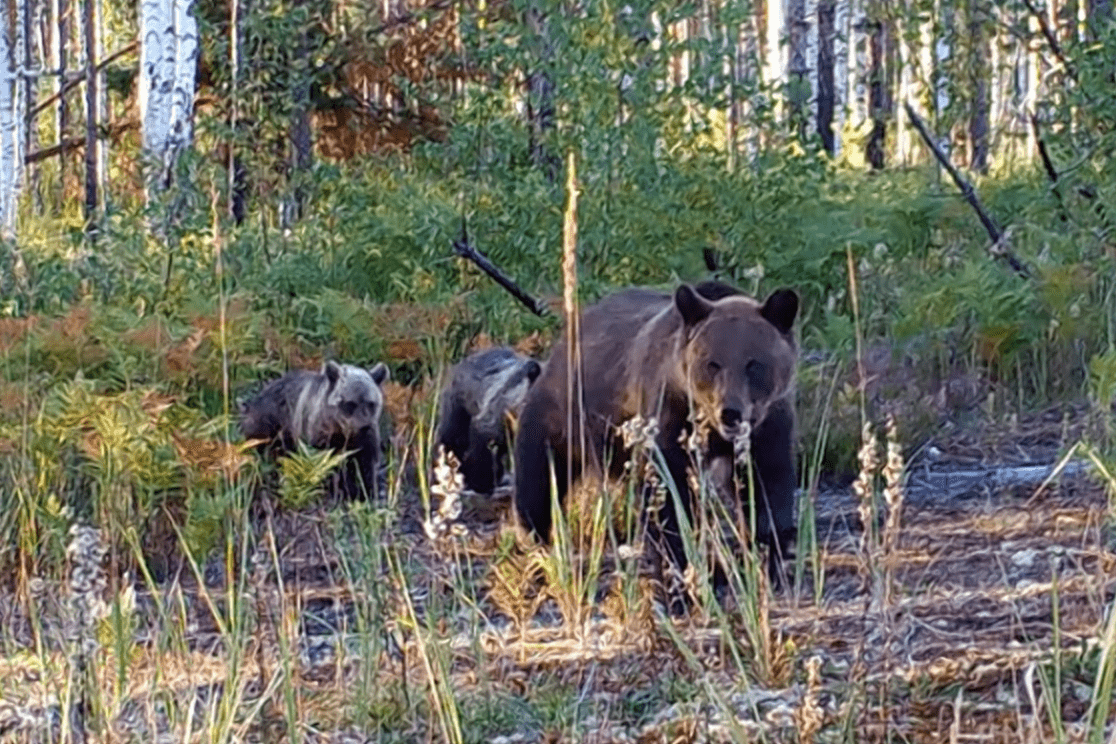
(986, 626)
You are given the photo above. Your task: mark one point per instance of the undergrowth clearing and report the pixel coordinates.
(381, 623)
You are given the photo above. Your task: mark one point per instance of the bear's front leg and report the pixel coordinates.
(772, 445)
(479, 466)
(678, 463)
(533, 465)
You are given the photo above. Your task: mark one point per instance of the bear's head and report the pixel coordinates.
(739, 356)
(507, 379)
(353, 399)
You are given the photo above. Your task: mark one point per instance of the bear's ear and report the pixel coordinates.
(780, 309)
(332, 371)
(533, 370)
(379, 373)
(693, 307)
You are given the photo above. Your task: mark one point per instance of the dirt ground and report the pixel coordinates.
(984, 622)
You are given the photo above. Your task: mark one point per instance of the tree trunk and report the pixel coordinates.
(90, 35)
(30, 82)
(61, 45)
(842, 42)
(798, 71)
(879, 94)
(1099, 16)
(826, 88)
(168, 65)
(300, 153)
(978, 71)
(10, 155)
(540, 95)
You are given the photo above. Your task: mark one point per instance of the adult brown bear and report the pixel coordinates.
(709, 354)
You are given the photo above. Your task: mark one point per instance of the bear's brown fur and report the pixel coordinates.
(709, 357)
(338, 408)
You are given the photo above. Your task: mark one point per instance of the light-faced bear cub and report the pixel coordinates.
(709, 357)
(482, 390)
(337, 408)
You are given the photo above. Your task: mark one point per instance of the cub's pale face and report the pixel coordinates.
(355, 399)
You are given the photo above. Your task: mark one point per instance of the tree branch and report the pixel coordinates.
(1051, 38)
(465, 250)
(80, 78)
(999, 245)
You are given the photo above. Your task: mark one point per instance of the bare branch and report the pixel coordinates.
(1000, 246)
(1051, 38)
(465, 250)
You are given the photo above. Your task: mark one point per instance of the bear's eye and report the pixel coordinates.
(348, 408)
(758, 377)
(714, 367)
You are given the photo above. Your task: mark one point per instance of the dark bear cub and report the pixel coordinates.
(708, 359)
(338, 408)
(483, 389)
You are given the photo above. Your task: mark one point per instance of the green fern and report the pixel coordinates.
(303, 474)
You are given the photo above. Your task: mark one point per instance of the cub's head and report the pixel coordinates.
(353, 397)
(739, 355)
(507, 378)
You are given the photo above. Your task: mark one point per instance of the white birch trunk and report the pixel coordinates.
(811, 19)
(906, 92)
(11, 154)
(858, 65)
(775, 58)
(842, 26)
(943, 59)
(168, 59)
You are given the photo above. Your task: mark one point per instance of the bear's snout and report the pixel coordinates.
(731, 417)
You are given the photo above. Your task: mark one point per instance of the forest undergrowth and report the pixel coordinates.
(165, 584)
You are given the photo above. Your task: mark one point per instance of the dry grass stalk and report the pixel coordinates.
(448, 484)
(865, 489)
(809, 716)
(893, 497)
(569, 296)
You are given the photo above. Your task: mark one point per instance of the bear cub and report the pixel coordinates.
(483, 389)
(707, 359)
(337, 408)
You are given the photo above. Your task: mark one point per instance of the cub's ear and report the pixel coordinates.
(533, 370)
(332, 371)
(780, 309)
(380, 373)
(693, 307)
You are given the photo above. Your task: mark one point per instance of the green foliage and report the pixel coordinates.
(302, 475)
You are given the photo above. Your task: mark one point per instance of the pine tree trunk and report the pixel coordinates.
(826, 88)
(879, 95)
(798, 70)
(540, 95)
(1099, 15)
(978, 71)
(91, 110)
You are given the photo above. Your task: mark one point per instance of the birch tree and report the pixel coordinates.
(10, 146)
(168, 63)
